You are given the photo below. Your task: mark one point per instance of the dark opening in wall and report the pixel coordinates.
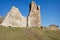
(29, 7)
(37, 8)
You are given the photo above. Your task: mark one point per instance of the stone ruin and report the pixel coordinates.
(34, 15)
(53, 27)
(14, 17)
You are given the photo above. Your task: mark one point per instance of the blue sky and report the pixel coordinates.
(50, 9)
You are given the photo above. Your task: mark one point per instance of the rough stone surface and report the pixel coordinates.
(14, 18)
(34, 16)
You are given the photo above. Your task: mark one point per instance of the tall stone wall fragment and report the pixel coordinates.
(34, 15)
(14, 18)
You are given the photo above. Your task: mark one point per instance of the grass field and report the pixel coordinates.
(10, 33)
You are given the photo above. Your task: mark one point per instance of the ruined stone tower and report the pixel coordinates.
(15, 19)
(34, 15)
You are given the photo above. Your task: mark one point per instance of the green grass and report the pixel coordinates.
(13, 33)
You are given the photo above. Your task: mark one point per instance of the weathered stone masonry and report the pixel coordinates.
(15, 19)
(34, 15)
